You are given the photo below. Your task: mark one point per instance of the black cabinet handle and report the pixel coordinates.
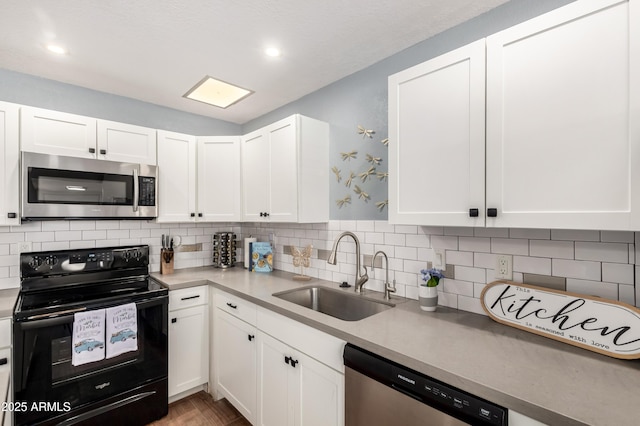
(190, 297)
(192, 215)
(12, 215)
(92, 150)
(232, 306)
(492, 212)
(3, 361)
(199, 214)
(174, 320)
(103, 151)
(261, 214)
(293, 362)
(473, 213)
(287, 360)
(251, 337)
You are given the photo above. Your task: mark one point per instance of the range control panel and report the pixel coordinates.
(40, 264)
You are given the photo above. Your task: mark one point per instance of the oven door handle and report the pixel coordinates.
(56, 314)
(136, 190)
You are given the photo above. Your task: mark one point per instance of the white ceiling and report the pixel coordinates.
(156, 50)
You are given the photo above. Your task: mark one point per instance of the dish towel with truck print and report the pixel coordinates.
(88, 337)
(122, 329)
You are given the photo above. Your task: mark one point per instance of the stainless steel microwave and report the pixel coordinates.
(56, 187)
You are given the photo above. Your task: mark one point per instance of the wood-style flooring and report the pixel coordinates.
(201, 410)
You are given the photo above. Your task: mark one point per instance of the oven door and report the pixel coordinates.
(67, 187)
(43, 372)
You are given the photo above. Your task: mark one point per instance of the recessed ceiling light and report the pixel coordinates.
(272, 51)
(217, 92)
(56, 49)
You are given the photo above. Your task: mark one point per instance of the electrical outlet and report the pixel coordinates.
(504, 267)
(439, 259)
(25, 246)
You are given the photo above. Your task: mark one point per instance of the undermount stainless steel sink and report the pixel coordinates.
(337, 303)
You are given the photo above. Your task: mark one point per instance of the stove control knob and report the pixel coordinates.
(35, 262)
(51, 260)
(126, 255)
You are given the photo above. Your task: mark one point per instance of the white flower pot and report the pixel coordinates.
(428, 298)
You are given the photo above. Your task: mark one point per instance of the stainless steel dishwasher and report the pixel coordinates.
(379, 392)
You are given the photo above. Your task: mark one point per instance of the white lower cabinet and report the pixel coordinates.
(188, 340)
(274, 370)
(235, 355)
(6, 417)
(295, 389)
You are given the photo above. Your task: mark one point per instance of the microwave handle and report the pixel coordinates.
(136, 190)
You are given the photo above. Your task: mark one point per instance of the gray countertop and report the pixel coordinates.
(7, 300)
(552, 382)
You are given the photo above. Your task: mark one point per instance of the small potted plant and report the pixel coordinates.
(428, 290)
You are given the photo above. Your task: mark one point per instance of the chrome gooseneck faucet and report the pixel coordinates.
(388, 288)
(361, 278)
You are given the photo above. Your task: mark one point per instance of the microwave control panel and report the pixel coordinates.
(147, 187)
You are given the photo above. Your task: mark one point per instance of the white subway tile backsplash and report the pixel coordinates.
(532, 265)
(554, 249)
(82, 225)
(444, 242)
(575, 235)
(510, 246)
(408, 253)
(384, 226)
(475, 244)
(58, 225)
(39, 236)
(593, 288)
(431, 230)
(448, 299)
(457, 287)
(418, 240)
(465, 273)
(576, 269)
(395, 239)
(484, 260)
(406, 229)
(491, 232)
(459, 231)
(68, 235)
(464, 258)
(477, 289)
(374, 238)
(626, 294)
(618, 273)
(617, 236)
(365, 226)
(470, 304)
(602, 252)
(531, 234)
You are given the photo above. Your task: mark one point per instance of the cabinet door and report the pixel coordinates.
(126, 143)
(255, 176)
(283, 184)
(235, 358)
(176, 177)
(188, 349)
(275, 383)
(9, 165)
(57, 133)
(319, 399)
(563, 134)
(436, 140)
(219, 190)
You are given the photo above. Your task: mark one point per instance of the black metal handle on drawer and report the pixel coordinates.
(492, 212)
(190, 297)
(474, 213)
(92, 150)
(192, 215)
(232, 306)
(251, 337)
(174, 320)
(3, 361)
(12, 215)
(293, 362)
(103, 151)
(199, 214)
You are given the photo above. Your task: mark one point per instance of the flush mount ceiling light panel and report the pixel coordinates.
(217, 92)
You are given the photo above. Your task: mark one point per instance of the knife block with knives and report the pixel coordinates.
(166, 255)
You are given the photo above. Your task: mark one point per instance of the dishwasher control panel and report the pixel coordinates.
(427, 390)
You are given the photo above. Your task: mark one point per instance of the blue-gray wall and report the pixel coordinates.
(39, 92)
(361, 99)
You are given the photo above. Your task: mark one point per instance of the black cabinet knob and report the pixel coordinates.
(287, 360)
(174, 320)
(474, 213)
(199, 214)
(293, 362)
(12, 215)
(3, 361)
(192, 215)
(92, 150)
(103, 151)
(492, 212)
(251, 337)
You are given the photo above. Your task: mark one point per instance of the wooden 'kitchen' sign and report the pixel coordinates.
(605, 326)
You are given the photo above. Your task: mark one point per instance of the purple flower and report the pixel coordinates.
(431, 277)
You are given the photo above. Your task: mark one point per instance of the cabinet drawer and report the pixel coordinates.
(5, 333)
(187, 297)
(237, 307)
(317, 344)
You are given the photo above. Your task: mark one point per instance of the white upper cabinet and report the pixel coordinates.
(126, 143)
(219, 191)
(57, 133)
(176, 177)
(436, 140)
(286, 172)
(9, 165)
(563, 134)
